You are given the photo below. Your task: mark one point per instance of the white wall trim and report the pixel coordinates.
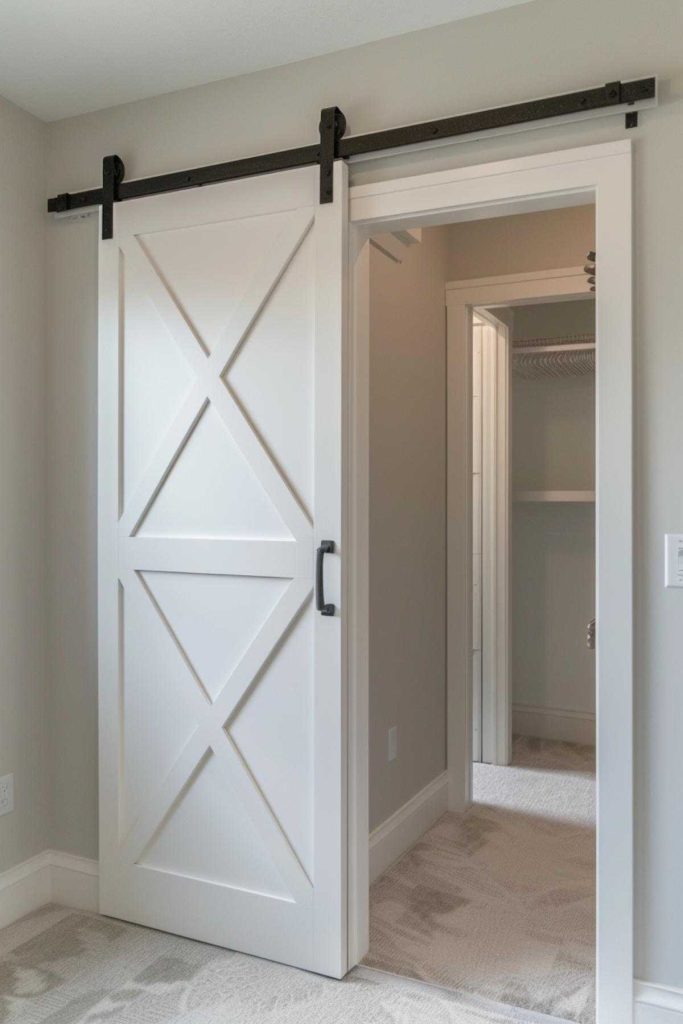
(658, 1004)
(49, 877)
(569, 279)
(75, 881)
(393, 837)
(24, 888)
(496, 690)
(553, 723)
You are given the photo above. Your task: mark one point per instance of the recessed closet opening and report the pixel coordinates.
(482, 355)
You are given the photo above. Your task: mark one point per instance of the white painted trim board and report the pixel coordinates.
(24, 888)
(49, 877)
(397, 834)
(657, 1004)
(496, 688)
(553, 723)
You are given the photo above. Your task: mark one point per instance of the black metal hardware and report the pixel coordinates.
(332, 141)
(332, 127)
(112, 175)
(326, 548)
(178, 180)
(631, 119)
(61, 202)
(613, 92)
(499, 117)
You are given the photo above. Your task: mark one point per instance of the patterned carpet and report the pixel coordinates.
(60, 966)
(500, 901)
(495, 905)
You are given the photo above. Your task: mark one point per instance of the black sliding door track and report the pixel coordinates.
(332, 145)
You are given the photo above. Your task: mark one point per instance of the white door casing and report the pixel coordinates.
(491, 700)
(222, 723)
(496, 697)
(477, 425)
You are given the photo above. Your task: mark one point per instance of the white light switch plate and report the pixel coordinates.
(6, 794)
(673, 566)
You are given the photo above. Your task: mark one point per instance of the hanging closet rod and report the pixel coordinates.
(573, 356)
(528, 350)
(613, 97)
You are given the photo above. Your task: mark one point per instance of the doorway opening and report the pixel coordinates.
(464, 852)
(497, 899)
(533, 516)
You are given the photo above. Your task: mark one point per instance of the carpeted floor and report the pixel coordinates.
(495, 905)
(500, 901)
(61, 966)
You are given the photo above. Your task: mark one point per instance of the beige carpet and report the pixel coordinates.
(60, 966)
(500, 901)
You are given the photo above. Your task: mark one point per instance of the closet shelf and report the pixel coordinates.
(585, 497)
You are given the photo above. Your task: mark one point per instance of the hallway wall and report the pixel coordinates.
(407, 520)
(24, 732)
(546, 240)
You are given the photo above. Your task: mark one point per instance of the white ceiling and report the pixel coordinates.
(64, 57)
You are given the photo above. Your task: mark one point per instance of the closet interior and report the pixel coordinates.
(552, 536)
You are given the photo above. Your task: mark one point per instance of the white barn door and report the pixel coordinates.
(222, 809)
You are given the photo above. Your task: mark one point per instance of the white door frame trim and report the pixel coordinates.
(462, 297)
(601, 174)
(495, 727)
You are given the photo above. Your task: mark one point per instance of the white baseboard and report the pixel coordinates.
(75, 881)
(393, 837)
(553, 723)
(24, 888)
(657, 1004)
(49, 877)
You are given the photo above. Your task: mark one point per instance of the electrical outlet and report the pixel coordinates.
(392, 746)
(6, 794)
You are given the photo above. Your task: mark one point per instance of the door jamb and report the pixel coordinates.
(495, 727)
(600, 173)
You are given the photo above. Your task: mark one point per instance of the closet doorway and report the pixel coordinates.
(394, 209)
(533, 507)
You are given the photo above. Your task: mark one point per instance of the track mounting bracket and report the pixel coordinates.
(332, 127)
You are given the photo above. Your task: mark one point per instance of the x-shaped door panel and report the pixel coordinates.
(286, 558)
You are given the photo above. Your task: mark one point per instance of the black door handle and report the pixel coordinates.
(326, 548)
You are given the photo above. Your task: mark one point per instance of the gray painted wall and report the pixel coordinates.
(536, 49)
(547, 240)
(23, 693)
(407, 520)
